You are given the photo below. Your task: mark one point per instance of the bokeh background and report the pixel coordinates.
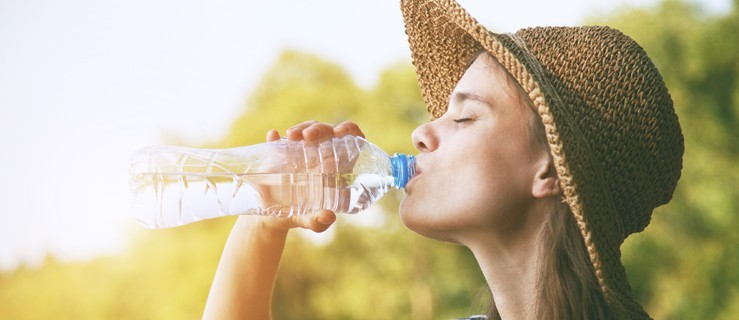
(85, 83)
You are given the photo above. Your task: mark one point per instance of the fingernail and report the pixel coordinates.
(325, 220)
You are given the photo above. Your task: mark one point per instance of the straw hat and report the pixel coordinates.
(609, 120)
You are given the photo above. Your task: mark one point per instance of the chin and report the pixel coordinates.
(423, 225)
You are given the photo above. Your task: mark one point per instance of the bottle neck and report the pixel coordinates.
(404, 167)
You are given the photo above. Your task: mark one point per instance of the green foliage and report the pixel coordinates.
(166, 274)
(298, 87)
(684, 266)
(301, 87)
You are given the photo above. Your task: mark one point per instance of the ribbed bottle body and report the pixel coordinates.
(173, 186)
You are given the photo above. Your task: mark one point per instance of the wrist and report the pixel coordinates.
(260, 227)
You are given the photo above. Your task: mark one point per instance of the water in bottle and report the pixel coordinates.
(173, 186)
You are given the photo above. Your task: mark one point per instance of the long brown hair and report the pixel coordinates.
(567, 285)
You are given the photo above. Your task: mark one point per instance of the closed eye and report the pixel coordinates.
(461, 120)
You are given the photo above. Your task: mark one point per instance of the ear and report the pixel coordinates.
(546, 182)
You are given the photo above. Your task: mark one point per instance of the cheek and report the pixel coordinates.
(436, 202)
(487, 193)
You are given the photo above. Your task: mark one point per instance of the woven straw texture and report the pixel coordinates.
(610, 124)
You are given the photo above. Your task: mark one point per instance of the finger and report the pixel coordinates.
(348, 128)
(318, 132)
(273, 135)
(317, 222)
(296, 132)
(321, 220)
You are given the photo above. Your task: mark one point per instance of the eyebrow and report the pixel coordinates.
(461, 96)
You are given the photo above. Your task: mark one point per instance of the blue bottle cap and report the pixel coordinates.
(404, 167)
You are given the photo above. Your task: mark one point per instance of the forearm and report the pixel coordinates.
(242, 287)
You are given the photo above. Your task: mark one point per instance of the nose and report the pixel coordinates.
(424, 138)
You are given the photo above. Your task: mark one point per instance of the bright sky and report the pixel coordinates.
(84, 83)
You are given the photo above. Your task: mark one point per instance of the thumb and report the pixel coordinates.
(317, 222)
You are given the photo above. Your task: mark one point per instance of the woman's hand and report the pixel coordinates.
(243, 284)
(312, 133)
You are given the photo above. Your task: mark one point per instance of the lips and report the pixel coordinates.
(416, 172)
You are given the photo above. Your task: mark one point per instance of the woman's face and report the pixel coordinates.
(477, 162)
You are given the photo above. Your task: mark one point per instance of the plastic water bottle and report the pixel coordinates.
(173, 186)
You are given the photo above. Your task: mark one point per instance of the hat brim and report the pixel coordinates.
(442, 38)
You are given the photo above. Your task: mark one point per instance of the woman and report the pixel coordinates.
(553, 144)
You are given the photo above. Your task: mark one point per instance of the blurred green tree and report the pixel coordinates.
(685, 266)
